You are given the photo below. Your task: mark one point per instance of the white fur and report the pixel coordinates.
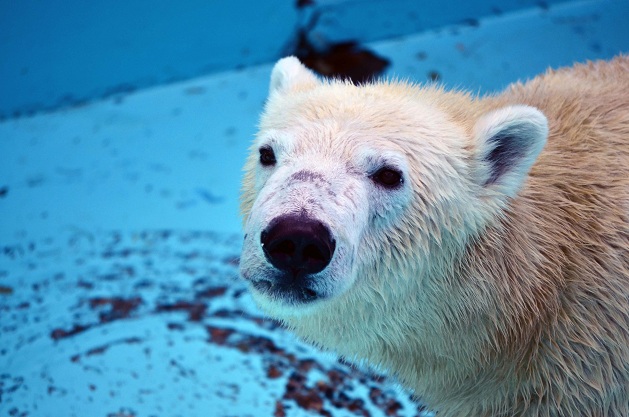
(345, 199)
(490, 286)
(289, 72)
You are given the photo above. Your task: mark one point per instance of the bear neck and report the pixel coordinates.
(486, 335)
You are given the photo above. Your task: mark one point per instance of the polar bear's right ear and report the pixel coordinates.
(288, 73)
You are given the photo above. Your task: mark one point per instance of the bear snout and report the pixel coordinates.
(298, 245)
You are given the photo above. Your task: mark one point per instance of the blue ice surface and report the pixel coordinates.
(120, 234)
(69, 51)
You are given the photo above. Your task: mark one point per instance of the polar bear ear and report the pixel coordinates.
(509, 141)
(288, 73)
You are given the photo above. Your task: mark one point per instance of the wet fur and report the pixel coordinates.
(487, 305)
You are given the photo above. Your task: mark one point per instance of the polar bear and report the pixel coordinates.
(475, 247)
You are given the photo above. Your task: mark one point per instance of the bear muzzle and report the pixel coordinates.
(298, 247)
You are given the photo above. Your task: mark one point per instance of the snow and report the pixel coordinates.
(120, 238)
(157, 323)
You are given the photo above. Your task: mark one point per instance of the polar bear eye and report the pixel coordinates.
(387, 177)
(267, 156)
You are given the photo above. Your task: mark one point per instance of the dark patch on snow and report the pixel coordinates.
(35, 181)
(211, 292)
(208, 196)
(123, 412)
(129, 290)
(116, 307)
(58, 334)
(346, 60)
(434, 76)
(470, 22)
(332, 390)
(100, 350)
(304, 3)
(4, 290)
(196, 310)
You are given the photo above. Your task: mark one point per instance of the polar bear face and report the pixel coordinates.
(313, 206)
(362, 191)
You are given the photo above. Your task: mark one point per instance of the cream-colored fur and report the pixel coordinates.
(491, 291)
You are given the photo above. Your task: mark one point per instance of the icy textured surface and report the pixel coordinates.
(156, 323)
(120, 237)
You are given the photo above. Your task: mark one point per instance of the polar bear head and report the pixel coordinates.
(357, 197)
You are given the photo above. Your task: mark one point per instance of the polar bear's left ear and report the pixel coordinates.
(288, 73)
(509, 141)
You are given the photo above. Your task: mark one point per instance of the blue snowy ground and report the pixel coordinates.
(120, 237)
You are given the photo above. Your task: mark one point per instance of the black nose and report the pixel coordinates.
(298, 245)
